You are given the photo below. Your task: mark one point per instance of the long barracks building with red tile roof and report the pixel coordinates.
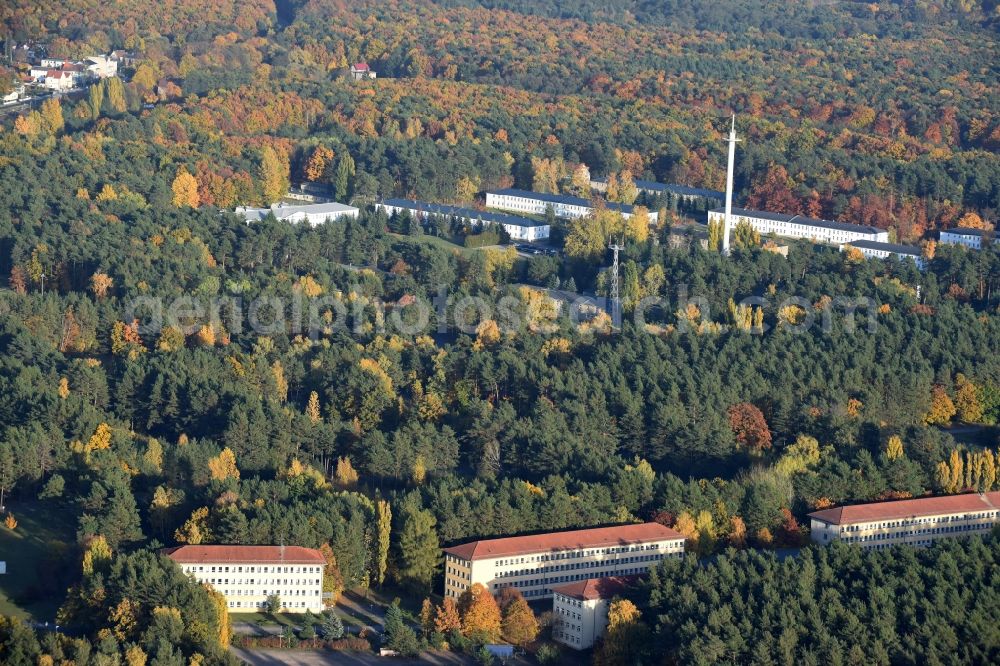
(918, 522)
(248, 575)
(536, 563)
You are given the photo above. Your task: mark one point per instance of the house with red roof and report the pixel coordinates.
(916, 522)
(248, 575)
(361, 70)
(580, 609)
(60, 80)
(535, 564)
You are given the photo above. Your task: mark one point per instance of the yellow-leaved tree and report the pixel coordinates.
(96, 556)
(942, 409)
(345, 474)
(312, 408)
(185, 188)
(967, 403)
(894, 448)
(637, 226)
(223, 466)
(625, 638)
(195, 529)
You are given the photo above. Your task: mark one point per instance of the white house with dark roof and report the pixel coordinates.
(518, 228)
(563, 205)
(801, 226)
(681, 192)
(877, 250)
(312, 214)
(964, 236)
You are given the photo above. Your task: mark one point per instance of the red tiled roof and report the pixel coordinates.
(596, 588)
(909, 508)
(240, 554)
(361, 66)
(597, 537)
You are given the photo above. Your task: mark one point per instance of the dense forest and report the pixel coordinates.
(150, 401)
(837, 606)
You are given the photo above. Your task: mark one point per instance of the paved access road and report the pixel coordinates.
(271, 657)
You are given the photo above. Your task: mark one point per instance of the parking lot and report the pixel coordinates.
(535, 250)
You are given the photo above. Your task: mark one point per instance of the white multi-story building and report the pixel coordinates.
(313, 214)
(537, 563)
(60, 80)
(970, 238)
(580, 609)
(247, 575)
(519, 228)
(102, 67)
(917, 522)
(563, 205)
(800, 226)
(54, 63)
(680, 192)
(877, 250)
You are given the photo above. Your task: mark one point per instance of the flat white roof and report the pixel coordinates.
(283, 211)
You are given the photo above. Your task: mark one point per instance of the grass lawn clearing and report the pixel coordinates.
(36, 551)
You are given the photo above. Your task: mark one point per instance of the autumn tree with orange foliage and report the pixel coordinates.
(518, 624)
(750, 427)
(316, 167)
(446, 617)
(480, 614)
(773, 192)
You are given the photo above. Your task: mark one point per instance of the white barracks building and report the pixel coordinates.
(312, 214)
(970, 238)
(800, 226)
(247, 575)
(580, 609)
(917, 522)
(518, 228)
(535, 564)
(563, 205)
(876, 250)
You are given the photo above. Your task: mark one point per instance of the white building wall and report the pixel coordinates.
(872, 253)
(578, 623)
(535, 574)
(63, 82)
(533, 206)
(795, 229)
(246, 586)
(515, 231)
(969, 241)
(102, 67)
(922, 531)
